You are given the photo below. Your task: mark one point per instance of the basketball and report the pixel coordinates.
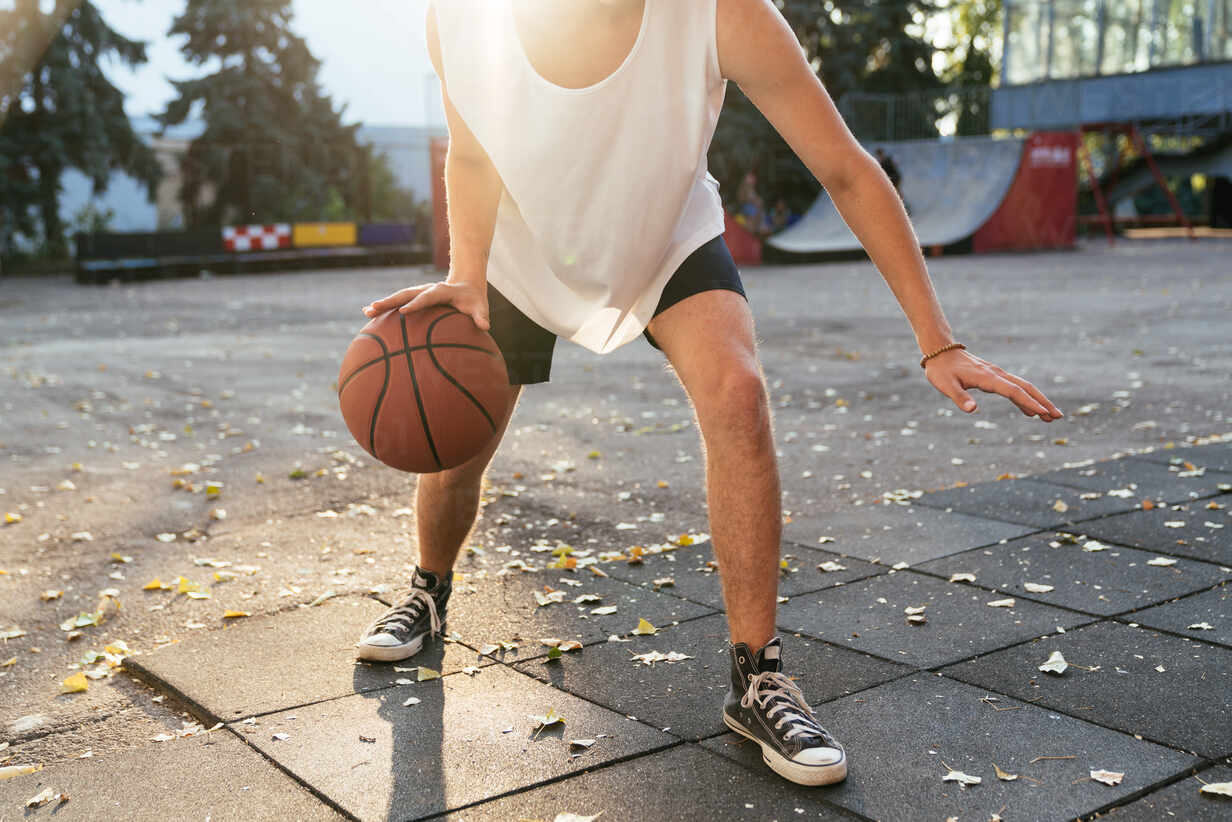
(423, 391)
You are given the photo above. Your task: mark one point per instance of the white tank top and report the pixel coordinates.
(606, 187)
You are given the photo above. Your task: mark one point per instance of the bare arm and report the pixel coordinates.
(759, 51)
(473, 190)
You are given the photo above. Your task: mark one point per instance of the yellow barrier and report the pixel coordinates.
(304, 235)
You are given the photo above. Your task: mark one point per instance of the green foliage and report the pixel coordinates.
(59, 111)
(274, 147)
(854, 45)
(90, 219)
(389, 201)
(973, 63)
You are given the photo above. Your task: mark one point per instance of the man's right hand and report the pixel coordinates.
(470, 299)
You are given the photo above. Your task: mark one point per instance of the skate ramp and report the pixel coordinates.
(1213, 164)
(950, 187)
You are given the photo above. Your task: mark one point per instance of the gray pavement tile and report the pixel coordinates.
(897, 533)
(1181, 800)
(504, 608)
(286, 659)
(214, 777)
(1103, 582)
(687, 697)
(903, 737)
(1026, 501)
(1179, 530)
(1143, 478)
(868, 615)
(1213, 608)
(695, 575)
(1188, 704)
(466, 740)
(685, 782)
(1216, 456)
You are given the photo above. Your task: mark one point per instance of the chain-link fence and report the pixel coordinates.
(922, 115)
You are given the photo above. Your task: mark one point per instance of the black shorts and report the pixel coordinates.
(527, 346)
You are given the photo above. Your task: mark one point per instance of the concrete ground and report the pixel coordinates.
(187, 432)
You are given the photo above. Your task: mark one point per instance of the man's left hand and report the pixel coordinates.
(953, 372)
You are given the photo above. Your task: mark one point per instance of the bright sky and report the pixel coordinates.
(372, 54)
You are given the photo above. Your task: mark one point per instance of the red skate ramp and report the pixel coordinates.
(1011, 193)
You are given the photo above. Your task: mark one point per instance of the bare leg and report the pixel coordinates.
(708, 338)
(447, 502)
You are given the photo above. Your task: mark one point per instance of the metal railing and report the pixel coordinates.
(921, 115)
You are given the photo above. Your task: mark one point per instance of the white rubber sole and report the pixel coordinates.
(388, 653)
(811, 775)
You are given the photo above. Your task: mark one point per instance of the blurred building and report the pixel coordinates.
(1071, 62)
(406, 148)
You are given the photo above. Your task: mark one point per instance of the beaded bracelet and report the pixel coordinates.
(941, 350)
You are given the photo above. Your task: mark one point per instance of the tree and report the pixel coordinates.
(387, 200)
(274, 147)
(59, 111)
(973, 65)
(853, 45)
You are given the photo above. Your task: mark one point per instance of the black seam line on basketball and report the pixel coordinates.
(402, 351)
(376, 410)
(448, 376)
(423, 416)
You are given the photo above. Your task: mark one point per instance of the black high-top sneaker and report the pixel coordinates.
(768, 708)
(400, 632)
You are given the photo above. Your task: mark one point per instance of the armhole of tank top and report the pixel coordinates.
(434, 10)
(712, 42)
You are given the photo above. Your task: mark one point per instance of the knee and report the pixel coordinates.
(736, 404)
(463, 480)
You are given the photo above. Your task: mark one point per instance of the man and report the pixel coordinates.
(889, 167)
(580, 206)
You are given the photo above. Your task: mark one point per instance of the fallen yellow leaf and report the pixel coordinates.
(10, 771)
(235, 614)
(75, 684)
(644, 628)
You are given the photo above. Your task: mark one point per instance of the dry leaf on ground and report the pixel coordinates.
(644, 628)
(1002, 775)
(1107, 777)
(961, 778)
(1055, 664)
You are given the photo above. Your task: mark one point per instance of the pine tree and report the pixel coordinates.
(59, 111)
(853, 45)
(274, 147)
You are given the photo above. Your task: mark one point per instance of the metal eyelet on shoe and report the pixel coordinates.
(741, 660)
(750, 677)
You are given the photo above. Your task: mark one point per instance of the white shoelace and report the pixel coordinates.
(406, 612)
(789, 704)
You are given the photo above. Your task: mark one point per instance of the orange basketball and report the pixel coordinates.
(423, 391)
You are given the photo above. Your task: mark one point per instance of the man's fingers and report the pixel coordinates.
(394, 300)
(471, 306)
(1036, 394)
(994, 384)
(432, 295)
(960, 397)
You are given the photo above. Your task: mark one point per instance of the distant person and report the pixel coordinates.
(781, 216)
(580, 207)
(750, 208)
(890, 168)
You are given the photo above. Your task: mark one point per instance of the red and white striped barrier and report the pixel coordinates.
(256, 237)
